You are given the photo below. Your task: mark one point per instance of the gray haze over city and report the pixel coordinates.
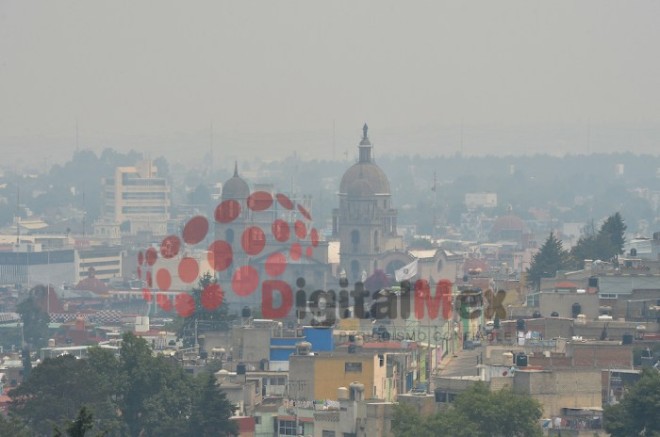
(268, 79)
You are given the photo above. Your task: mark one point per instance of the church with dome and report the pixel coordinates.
(364, 225)
(255, 226)
(365, 222)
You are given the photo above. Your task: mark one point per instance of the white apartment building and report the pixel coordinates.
(138, 199)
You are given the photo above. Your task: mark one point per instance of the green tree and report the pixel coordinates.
(139, 382)
(604, 245)
(34, 318)
(13, 426)
(587, 246)
(637, 414)
(612, 236)
(547, 261)
(56, 390)
(499, 413)
(167, 411)
(156, 396)
(203, 319)
(478, 412)
(407, 422)
(79, 427)
(134, 394)
(211, 410)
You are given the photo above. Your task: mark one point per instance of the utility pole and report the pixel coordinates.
(196, 345)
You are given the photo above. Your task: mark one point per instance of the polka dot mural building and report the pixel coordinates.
(257, 244)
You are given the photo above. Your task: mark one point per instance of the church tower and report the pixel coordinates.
(365, 222)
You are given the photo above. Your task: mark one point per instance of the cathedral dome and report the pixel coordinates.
(360, 188)
(364, 178)
(236, 187)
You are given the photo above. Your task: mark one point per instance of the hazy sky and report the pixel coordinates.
(272, 77)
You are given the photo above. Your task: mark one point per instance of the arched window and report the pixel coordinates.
(376, 242)
(355, 236)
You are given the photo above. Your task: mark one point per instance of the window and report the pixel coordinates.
(143, 195)
(136, 180)
(277, 381)
(257, 420)
(229, 236)
(326, 433)
(355, 236)
(353, 367)
(444, 396)
(144, 210)
(287, 427)
(84, 265)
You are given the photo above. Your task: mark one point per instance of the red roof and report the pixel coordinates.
(245, 423)
(92, 284)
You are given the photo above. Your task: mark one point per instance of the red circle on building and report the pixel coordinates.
(151, 256)
(184, 304)
(259, 201)
(188, 270)
(304, 212)
(281, 230)
(164, 302)
(295, 252)
(169, 248)
(314, 236)
(195, 230)
(284, 201)
(275, 264)
(300, 229)
(220, 255)
(245, 280)
(163, 279)
(227, 211)
(253, 240)
(212, 296)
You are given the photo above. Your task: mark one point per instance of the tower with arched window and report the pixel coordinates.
(365, 222)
